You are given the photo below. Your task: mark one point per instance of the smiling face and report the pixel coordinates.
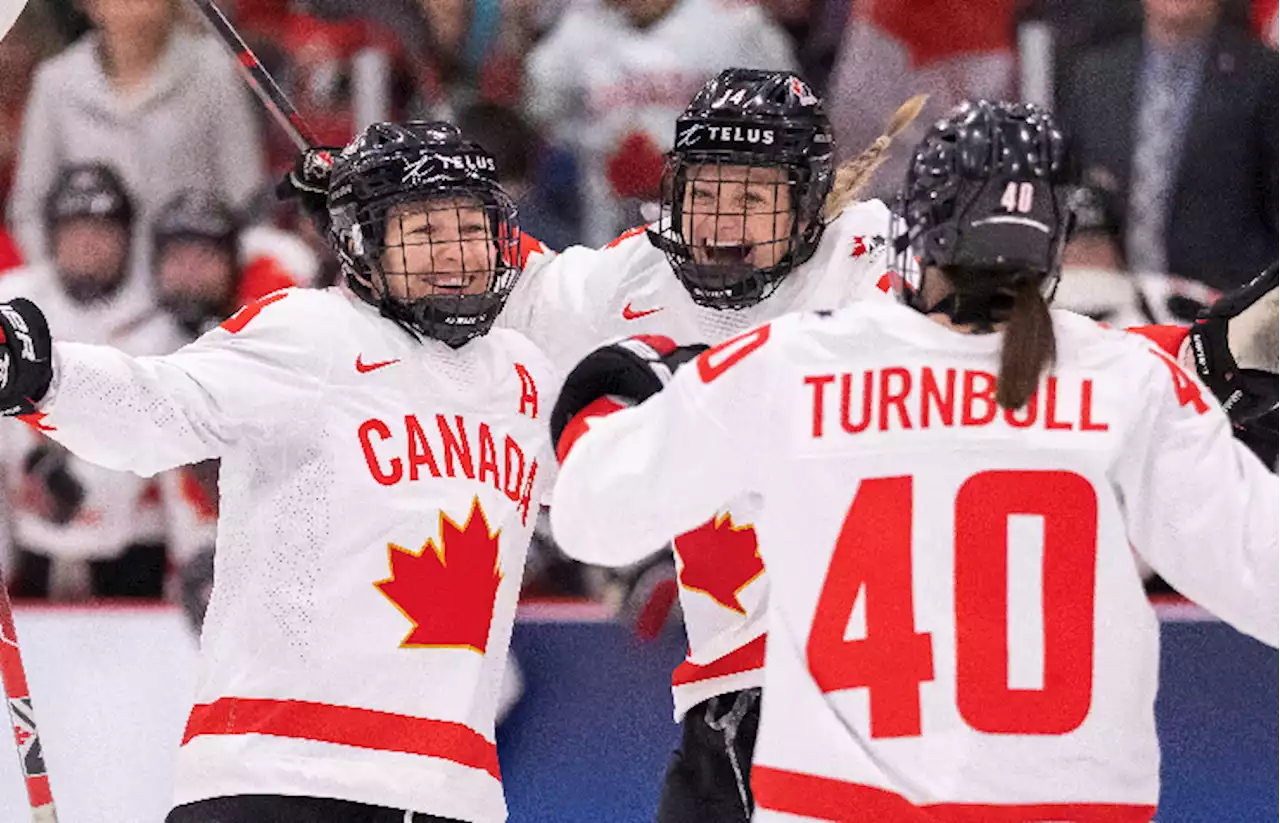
(438, 247)
(737, 214)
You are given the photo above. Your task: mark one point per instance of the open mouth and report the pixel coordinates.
(452, 283)
(723, 254)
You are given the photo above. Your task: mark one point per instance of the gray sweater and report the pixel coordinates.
(191, 125)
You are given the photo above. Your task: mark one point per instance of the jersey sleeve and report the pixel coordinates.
(1199, 507)
(643, 475)
(560, 297)
(147, 414)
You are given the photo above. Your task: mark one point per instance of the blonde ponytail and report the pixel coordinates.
(854, 175)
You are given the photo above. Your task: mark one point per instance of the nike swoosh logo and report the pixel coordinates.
(365, 368)
(629, 313)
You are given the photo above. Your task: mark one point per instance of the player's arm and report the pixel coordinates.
(1233, 347)
(559, 299)
(631, 478)
(1199, 507)
(146, 414)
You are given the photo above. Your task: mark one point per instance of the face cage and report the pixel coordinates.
(722, 268)
(444, 249)
(910, 270)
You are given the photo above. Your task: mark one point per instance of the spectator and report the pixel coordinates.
(67, 513)
(893, 49)
(32, 38)
(160, 104)
(1178, 126)
(612, 76)
(524, 167)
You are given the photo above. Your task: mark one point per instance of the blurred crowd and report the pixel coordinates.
(137, 171)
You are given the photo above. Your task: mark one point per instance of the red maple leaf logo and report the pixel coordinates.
(719, 559)
(447, 592)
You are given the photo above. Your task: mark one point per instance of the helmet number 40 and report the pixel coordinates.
(1018, 197)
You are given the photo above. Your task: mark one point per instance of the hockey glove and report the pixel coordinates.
(1234, 344)
(26, 364)
(611, 378)
(308, 183)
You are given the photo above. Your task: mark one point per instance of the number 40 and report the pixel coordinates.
(1018, 197)
(872, 561)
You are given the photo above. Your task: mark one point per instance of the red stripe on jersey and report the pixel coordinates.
(631, 232)
(1168, 338)
(345, 725)
(829, 799)
(742, 659)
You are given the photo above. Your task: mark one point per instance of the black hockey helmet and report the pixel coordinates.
(986, 190)
(203, 217)
(90, 192)
(752, 119)
(193, 214)
(427, 167)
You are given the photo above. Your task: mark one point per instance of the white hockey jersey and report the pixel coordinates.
(118, 508)
(1015, 676)
(583, 298)
(596, 80)
(377, 499)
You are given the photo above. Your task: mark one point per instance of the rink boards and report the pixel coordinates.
(589, 740)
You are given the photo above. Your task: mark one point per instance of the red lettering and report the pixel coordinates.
(972, 394)
(889, 397)
(1086, 409)
(943, 401)
(1186, 389)
(455, 445)
(846, 388)
(819, 383)
(397, 470)
(717, 360)
(419, 449)
(512, 470)
(528, 392)
(526, 497)
(1051, 406)
(1032, 411)
(488, 456)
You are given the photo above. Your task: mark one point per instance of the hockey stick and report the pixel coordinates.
(30, 753)
(263, 84)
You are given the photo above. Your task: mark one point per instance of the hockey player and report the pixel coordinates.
(1015, 675)
(201, 277)
(381, 450)
(65, 513)
(755, 224)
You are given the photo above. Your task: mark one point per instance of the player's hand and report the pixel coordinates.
(308, 183)
(1234, 348)
(51, 489)
(613, 377)
(26, 363)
